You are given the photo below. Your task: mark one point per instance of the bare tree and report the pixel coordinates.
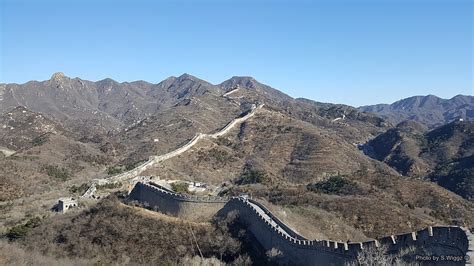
(274, 254)
(379, 256)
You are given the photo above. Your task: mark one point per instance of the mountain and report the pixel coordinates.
(102, 106)
(355, 125)
(289, 155)
(21, 128)
(444, 155)
(300, 157)
(44, 155)
(429, 110)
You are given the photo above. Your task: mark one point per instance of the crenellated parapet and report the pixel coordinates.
(185, 197)
(271, 232)
(280, 223)
(434, 240)
(191, 207)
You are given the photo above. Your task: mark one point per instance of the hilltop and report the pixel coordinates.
(444, 155)
(429, 110)
(300, 157)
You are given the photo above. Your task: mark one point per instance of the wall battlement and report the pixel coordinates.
(196, 208)
(185, 197)
(296, 249)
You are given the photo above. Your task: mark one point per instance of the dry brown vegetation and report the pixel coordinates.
(444, 155)
(14, 254)
(115, 233)
(374, 200)
(285, 155)
(285, 148)
(374, 214)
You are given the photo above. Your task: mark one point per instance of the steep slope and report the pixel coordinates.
(265, 92)
(73, 102)
(451, 150)
(187, 106)
(94, 111)
(173, 90)
(343, 120)
(21, 128)
(429, 110)
(443, 155)
(275, 157)
(299, 155)
(99, 107)
(399, 147)
(128, 119)
(114, 233)
(286, 148)
(44, 157)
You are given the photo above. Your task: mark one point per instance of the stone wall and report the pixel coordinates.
(271, 233)
(195, 208)
(280, 223)
(300, 251)
(152, 160)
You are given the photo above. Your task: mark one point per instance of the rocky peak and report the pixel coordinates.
(58, 76)
(185, 76)
(236, 81)
(191, 83)
(58, 79)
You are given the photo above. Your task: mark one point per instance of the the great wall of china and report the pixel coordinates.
(271, 233)
(156, 159)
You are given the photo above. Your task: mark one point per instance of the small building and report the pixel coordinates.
(65, 204)
(199, 184)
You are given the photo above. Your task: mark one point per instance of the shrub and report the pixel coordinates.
(79, 189)
(20, 231)
(223, 141)
(180, 187)
(114, 170)
(60, 173)
(217, 157)
(38, 141)
(221, 156)
(131, 166)
(115, 234)
(335, 185)
(381, 256)
(109, 185)
(117, 169)
(253, 177)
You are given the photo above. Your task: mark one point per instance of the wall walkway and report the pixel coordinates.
(296, 249)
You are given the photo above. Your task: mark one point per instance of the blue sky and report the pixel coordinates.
(352, 52)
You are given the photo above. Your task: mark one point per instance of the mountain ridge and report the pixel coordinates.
(300, 156)
(443, 155)
(429, 110)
